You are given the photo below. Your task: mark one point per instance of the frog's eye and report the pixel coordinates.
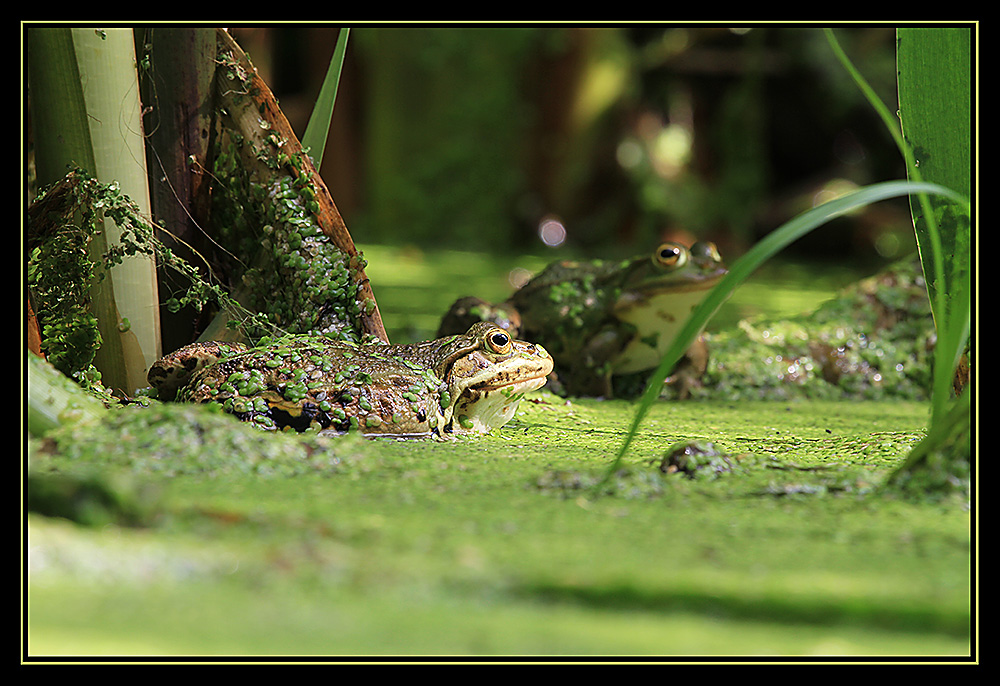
(706, 250)
(498, 341)
(670, 256)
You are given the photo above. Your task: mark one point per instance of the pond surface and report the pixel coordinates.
(500, 545)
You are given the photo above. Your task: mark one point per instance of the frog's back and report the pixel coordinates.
(329, 385)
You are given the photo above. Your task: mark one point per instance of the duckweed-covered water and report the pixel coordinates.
(208, 538)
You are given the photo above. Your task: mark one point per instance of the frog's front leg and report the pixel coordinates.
(689, 369)
(591, 375)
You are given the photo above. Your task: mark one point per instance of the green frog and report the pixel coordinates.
(456, 384)
(605, 322)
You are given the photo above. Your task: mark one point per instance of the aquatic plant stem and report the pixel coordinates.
(270, 151)
(53, 399)
(929, 62)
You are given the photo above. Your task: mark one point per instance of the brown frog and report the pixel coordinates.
(470, 382)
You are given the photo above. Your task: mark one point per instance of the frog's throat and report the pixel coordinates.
(484, 408)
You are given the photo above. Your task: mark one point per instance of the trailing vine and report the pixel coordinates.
(61, 271)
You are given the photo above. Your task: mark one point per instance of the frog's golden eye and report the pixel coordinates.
(498, 341)
(670, 256)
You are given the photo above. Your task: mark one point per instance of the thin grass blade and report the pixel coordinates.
(318, 128)
(742, 268)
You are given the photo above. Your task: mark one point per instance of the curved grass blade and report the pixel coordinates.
(934, 107)
(314, 138)
(778, 239)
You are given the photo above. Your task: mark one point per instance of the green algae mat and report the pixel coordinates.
(500, 546)
(187, 534)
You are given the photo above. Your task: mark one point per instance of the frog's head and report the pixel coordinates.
(658, 294)
(672, 268)
(171, 372)
(486, 373)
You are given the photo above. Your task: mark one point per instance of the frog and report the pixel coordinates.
(608, 323)
(468, 383)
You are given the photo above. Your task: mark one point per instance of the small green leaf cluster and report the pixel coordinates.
(62, 222)
(59, 276)
(874, 340)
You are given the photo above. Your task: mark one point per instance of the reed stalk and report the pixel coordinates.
(86, 113)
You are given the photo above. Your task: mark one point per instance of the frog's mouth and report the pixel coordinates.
(491, 403)
(521, 385)
(510, 376)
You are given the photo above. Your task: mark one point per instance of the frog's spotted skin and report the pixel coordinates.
(604, 319)
(172, 371)
(455, 384)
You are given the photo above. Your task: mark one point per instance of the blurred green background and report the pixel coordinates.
(486, 152)
(477, 138)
